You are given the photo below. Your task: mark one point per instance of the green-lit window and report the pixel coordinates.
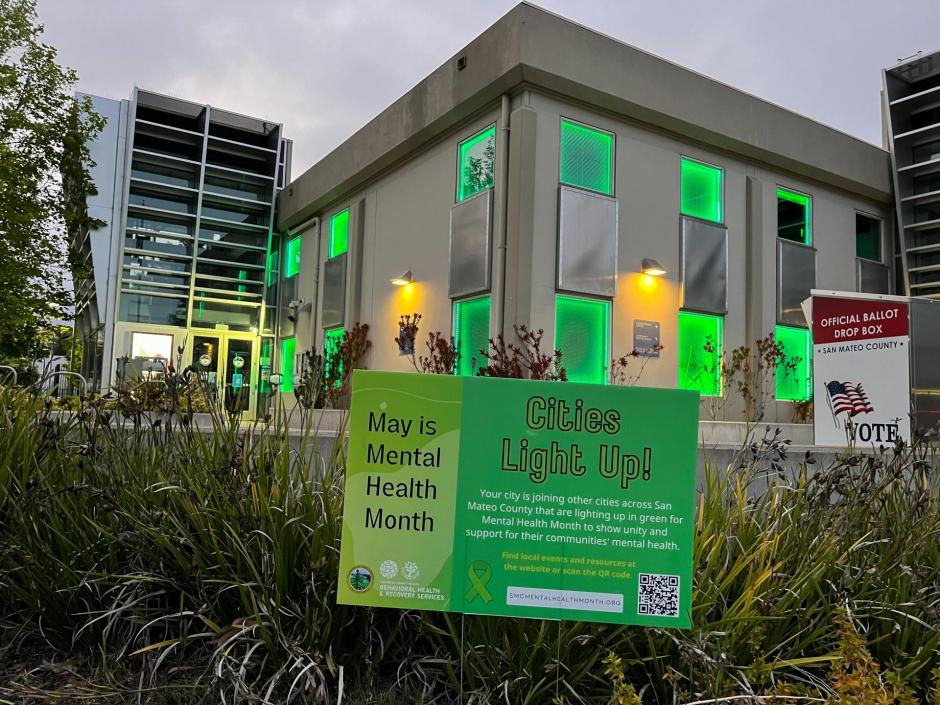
(794, 216)
(273, 267)
(471, 333)
(794, 371)
(702, 193)
(700, 341)
(867, 237)
(292, 259)
(475, 161)
(331, 342)
(587, 157)
(339, 233)
(582, 333)
(288, 348)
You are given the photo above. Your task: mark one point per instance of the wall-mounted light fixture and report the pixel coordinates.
(403, 279)
(652, 268)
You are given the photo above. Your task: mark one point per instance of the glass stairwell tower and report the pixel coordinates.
(184, 261)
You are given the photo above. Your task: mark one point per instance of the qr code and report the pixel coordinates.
(658, 595)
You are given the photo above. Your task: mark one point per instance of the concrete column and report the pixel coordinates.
(754, 238)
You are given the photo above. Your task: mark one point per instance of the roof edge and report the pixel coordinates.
(522, 48)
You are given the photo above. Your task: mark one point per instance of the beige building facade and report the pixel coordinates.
(542, 174)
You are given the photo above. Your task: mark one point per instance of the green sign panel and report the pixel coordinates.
(520, 498)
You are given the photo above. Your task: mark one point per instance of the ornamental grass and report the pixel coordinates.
(145, 560)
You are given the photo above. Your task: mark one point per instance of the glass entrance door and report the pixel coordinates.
(227, 364)
(239, 357)
(206, 358)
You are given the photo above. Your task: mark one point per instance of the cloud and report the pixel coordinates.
(325, 69)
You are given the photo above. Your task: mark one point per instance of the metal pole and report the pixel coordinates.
(461, 655)
(73, 374)
(502, 157)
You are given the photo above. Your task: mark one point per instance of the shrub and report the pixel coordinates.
(442, 354)
(620, 366)
(522, 360)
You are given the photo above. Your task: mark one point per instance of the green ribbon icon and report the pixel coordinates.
(479, 573)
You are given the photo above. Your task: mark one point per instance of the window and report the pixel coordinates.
(152, 346)
(288, 348)
(475, 160)
(701, 191)
(331, 342)
(292, 263)
(587, 157)
(794, 216)
(700, 343)
(339, 233)
(209, 312)
(582, 333)
(145, 308)
(794, 375)
(867, 237)
(471, 333)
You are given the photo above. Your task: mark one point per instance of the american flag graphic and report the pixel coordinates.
(849, 398)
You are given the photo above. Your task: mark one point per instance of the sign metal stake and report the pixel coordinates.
(461, 656)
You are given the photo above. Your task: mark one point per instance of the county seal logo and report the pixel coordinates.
(360, 579)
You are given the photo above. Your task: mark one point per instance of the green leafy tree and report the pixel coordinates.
(44, 180)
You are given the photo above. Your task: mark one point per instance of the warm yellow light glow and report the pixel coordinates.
(647, 282)
(403, 279)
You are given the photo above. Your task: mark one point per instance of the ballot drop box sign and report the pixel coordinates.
(520, 498)
(861, 375)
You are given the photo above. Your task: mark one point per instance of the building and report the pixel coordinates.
(544, 172)
(911, 109)
(187, 193)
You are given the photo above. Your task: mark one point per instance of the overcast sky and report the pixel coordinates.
(325, 68)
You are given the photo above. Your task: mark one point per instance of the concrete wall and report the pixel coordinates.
(404, 219)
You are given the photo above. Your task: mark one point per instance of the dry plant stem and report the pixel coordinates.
(756, 699)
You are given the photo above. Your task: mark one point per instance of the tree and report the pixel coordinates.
(44, 180)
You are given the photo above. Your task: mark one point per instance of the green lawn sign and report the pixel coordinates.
(520, 498)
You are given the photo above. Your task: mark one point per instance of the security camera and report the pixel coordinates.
(295, 304)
